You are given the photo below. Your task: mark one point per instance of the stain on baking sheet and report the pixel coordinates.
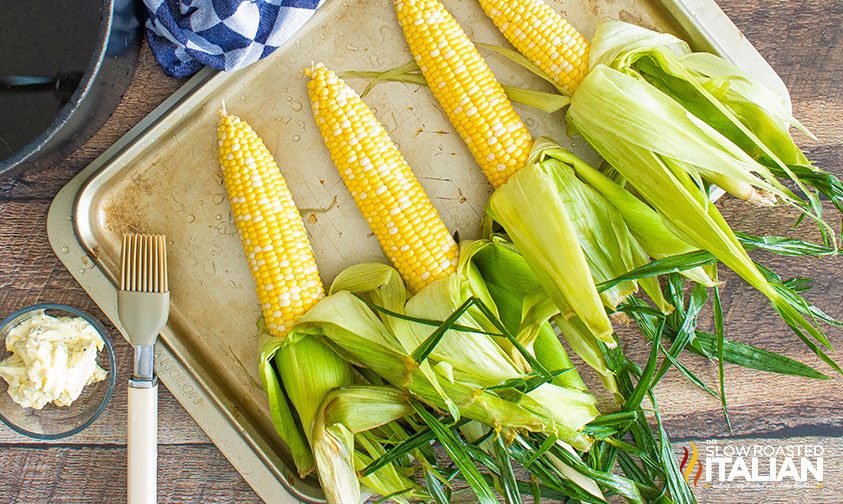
(631, 17)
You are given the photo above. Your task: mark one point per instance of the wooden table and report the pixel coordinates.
(802, 41)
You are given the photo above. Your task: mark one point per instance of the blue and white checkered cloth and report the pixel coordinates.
(225, 34)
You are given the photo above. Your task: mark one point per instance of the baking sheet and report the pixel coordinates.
(163, 177)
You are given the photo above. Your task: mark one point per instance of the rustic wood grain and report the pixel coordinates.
(802, 42)
(186, 473)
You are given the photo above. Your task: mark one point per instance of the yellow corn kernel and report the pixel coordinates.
(273, 235)
(459, 77)
(544, 37)
(389, 196)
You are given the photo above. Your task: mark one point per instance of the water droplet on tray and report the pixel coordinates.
(296, 106)
(296, 138)
(191, 219)
(65, 250)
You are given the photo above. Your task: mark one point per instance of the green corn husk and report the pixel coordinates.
(724, 107)
(472, 358)
(621, 116)
(469, 354)
(281, 365)
(604, 235)
(707, 85)
(512, 284)
(296, 370)
(387, 291)
(764, 112)
(308, 370)
(410, 74)
(547, 238)
(644, 222)
(472, 372)
(353, 329)
(652, 120)
(369, 322)
(574, 238)
(356, 410)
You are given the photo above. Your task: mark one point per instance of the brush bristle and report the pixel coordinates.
(143, 263)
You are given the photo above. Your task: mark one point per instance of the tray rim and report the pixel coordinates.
(710, 29)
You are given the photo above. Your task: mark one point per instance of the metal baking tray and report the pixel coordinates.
(163, 177)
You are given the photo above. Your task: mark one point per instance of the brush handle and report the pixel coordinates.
(143, 444)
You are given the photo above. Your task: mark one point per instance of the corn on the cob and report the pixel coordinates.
(472, 98)
(388, 194)
(274, 237)
(544, 37)
(287, 281)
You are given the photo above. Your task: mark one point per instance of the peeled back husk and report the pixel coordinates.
(476, 358)
(512, 284)
(283, 364)
(644, 222)
(343, 413)
(297, 372)
(718, 95)
(568, 231)
(657, 152)
(537, 218)
(713, 90)
(464, 371)
(641, 115)
(347, 323)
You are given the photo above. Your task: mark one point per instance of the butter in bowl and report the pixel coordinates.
(57, 371)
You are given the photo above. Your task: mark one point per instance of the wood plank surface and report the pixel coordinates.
(97, 473)
(802, 41)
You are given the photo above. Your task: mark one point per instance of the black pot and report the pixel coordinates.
(64, 66)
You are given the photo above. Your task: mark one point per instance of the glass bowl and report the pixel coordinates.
(54, 422)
